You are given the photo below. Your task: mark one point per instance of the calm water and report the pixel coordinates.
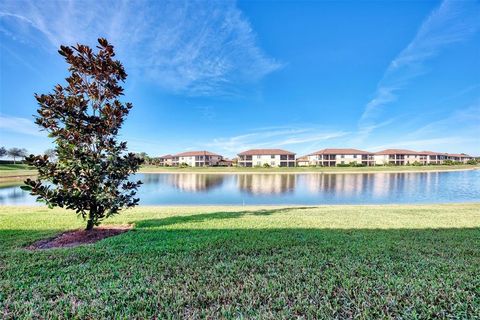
(191, 189)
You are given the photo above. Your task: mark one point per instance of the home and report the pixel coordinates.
(399, 157)
(225, 163)
(196, 159)
(434, 157)
(335, 157)
(303, 161)
(264, 157)
(166, 160)
(459, 157)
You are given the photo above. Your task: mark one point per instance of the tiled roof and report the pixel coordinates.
(196, 153)
(257, 152)
(340, 151)
(304, 158)
(432, 153)
(397, 151)
(167, 156)
(458, 155)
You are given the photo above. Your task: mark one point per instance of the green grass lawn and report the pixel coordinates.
(149, 168)
(405, 261)
(15, 170)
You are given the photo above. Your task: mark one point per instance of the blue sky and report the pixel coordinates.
(228, 76)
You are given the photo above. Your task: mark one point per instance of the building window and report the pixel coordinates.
(355, 156)
(342, 156)
(272, 156)
(258, 157)
(272, 163)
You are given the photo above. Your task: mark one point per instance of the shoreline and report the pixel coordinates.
(306, 172)
(21, 176)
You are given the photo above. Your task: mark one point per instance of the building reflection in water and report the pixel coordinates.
(371, 185)
(261, 184)
(190, 182)
(321, 188)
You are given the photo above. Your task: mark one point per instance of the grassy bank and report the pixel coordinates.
(156, 169)
(319, 262)
(11, 171)
(17, 173)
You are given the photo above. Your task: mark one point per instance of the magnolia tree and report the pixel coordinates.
(91, 169)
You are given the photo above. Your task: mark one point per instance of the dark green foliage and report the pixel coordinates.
(91, 169)
(3, 152)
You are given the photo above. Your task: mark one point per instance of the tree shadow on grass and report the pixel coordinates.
(204, 217)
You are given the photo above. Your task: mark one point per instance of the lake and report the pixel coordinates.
(301, 189)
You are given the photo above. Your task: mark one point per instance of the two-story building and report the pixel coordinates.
(166, 160)
(334, 157)
(196, 159)
(434, 157)
(399, 157)
(303, 161)
(262, 157)
(459, 157)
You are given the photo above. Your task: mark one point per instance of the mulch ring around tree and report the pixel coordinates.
(78, 237)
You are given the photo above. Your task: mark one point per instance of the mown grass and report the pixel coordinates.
(15, 170)
(363, 262)
(150, 168)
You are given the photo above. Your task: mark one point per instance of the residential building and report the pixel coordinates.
(303, 161)
(399, 157)
(166, 160)
(262, 157)
(197, 159)
(335, 157)
(225, 163)
(459, 157)
(434, 157)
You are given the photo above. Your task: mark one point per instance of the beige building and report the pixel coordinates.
(271, 157)
(166, 160)
(434, 157)
(303, 161)
(459, 157)
(197, 159)
(399, 157)
(335, 157)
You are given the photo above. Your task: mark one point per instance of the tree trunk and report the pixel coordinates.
(90, 223)
(14, 162)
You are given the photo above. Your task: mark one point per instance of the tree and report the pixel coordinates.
(3, 152)
(92, 168)
(51, 154)
(16, 153)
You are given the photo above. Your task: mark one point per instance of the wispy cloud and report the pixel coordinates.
(193, 47)
(274, 138)
(451, 22)
(458, 131)
(19, 125)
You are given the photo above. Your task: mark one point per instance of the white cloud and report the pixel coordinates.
(306, 138)
(451, 22)
(19, 125)
(193, 47)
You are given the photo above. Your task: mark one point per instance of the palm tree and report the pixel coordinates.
(16, 152)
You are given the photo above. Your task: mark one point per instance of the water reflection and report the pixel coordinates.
(192, 188)
(258, 184)
(191, 182)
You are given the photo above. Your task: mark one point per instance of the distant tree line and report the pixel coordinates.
(19, 154)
